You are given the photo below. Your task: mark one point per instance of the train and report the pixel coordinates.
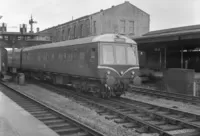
(103, 65)
(3, 62)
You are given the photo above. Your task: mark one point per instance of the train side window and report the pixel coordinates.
(52, 56)
(27, 56)
(38, 57)
(24, 56)
(46, 56)
(93, 53)
(65, 55)
(75, 54)
(82, 55)
(60, 56)
(71, 57)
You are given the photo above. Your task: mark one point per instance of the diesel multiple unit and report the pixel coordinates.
(103, 65)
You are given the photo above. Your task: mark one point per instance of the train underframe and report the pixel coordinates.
(97, 87)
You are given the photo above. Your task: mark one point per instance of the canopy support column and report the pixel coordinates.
(181, 57)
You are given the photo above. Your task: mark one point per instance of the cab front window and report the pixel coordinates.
(118, 54)
(108, 54)
(131, 55)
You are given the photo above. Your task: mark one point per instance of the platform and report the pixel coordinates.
(15, 121)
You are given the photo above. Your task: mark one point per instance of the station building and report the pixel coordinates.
(124, 19)
(20, 39)
(171, 48)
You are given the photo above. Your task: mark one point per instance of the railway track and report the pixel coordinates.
(145, 118)
(167, 95)
(58, 122)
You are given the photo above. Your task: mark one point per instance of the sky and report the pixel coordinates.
(163, 13)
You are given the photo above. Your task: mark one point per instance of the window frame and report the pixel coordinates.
(131, 27)
(122, 27)
(114, 53)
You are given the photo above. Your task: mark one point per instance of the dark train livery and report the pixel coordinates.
(103, 65)
(3, 61)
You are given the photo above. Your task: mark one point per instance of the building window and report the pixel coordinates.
(74, 31)
(81, 30)
(68, 33)
(94, 27)
(131, 27)
(63, 34)
(122, 26)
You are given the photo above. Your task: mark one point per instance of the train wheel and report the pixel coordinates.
(108, 92)
(96, 92)
(105, 92)
(117, 95)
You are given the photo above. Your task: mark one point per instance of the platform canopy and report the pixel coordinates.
(181, 37)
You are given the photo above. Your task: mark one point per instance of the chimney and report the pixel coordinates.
(38, 29)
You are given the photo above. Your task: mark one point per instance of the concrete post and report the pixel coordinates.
(182, 57)
(165, 58)
(160, 58)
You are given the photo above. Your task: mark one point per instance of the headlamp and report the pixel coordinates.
(108, 72)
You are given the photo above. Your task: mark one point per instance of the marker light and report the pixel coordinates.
(108, 72)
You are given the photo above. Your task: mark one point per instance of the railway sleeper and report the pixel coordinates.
(129, 125)
(110, 117)
(43, 115)
(60, 125)
(184, 132)
(120, 121)
(68, 130)
(168, 127)
(53, 121)
(47, 118)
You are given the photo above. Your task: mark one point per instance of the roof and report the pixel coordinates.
(100, 38)
(186, 32)
(18, 33)
(175, 30)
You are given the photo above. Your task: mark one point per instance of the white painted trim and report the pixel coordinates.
(110, 68)
(105, 67)
(130, 69)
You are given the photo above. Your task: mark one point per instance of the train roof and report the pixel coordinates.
(100, 38)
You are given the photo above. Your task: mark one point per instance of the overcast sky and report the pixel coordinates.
(163, 13)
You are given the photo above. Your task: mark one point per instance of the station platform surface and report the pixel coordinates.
(15, 121)
(160, 74)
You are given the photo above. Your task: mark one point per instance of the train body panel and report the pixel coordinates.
(14, 60)
(75, 60)
(3, 61)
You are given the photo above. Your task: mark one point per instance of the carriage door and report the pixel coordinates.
(93, 58)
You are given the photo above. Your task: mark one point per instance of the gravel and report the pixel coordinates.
(77, 111)
(165, 103)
